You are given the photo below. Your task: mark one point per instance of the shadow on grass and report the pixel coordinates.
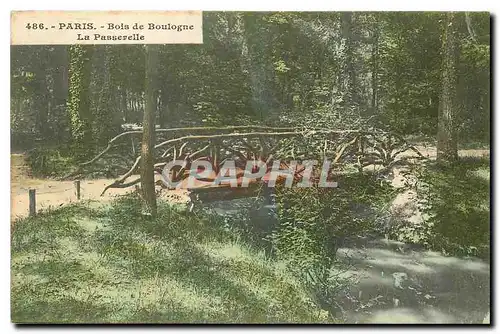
(175, 314)
(57, 272)
(228, 280)
(42, 231)
(133, 254)
(64, 310)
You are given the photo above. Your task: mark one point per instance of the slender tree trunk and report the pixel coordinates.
(60, 93)
(375, 55)
(41, 98)
(447, 117)
(259, 67)
(124, 105)
(164, 111)
(147, 147)
(351, 89)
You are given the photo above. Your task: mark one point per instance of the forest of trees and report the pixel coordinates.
(420, 77)
(308, 69)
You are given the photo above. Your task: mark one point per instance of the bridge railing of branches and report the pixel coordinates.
(357, 147)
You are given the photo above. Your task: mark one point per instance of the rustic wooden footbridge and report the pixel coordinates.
(354, 147)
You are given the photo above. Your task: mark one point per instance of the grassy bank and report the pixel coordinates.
(105, 264)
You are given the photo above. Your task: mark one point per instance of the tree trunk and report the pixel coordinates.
(375, 55)
(447, 117)
(350, 88)
(79, 99)
(59, 94)
(41, 93)
(41, 100)
(164, 111)
(147, 147)
(124, 105)
(255, 61)
(103, 111)
(61, 75)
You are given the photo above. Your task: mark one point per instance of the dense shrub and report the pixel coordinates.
(315, 222)
(49, 162)
(455, 202)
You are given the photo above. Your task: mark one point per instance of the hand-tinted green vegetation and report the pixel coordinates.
(336, 70)
(456, 201)
(421, 77)
(100, 264)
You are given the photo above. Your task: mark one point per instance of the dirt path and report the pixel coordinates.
(54, 193)
(51, 193)
(429, 151)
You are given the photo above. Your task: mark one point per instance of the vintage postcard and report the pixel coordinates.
(250, 167)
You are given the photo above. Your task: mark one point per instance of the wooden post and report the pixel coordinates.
(32, 195)
(77, 186)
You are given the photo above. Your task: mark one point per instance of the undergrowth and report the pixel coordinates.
(455, 201)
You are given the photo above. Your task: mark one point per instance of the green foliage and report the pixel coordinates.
(105, 119)
(314, 221)
(50, 162)
(455, 201)
(410, 65)
(319, 69)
